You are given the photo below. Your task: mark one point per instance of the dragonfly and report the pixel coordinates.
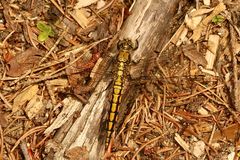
(125, 47)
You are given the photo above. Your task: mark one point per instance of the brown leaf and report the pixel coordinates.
(191, 52)
(26, 95)
(230, 133)
(24, 61)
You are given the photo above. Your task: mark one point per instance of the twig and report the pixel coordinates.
(75, 60)
(213, 131)
(197, 93)
(8, 36)
(31, 131)
(30, 35)
(60, 9)
(9, 106)
(224, 103)
(1, 140)
(24, 149)
(54, 46)
(149, 142)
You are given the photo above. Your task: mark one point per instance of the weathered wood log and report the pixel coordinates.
(148, 23)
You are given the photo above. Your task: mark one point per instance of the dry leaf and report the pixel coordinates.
(34, 107)
(231, 132)
(191, 52)
(24, 61)
(26, 95)
(192, 22)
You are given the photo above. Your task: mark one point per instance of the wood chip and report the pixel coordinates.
(203, 127)
(210, 72)
(177, 34)
(80, 17)
(58, 82)
(198, 149)
(206, 2)
(70, 107)
(3, 120)
(203, 111)
(182, 143)
(100, 4)
(80, 153)
(211, 54)
(209, 106)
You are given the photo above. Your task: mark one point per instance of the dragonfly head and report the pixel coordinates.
(127, 44)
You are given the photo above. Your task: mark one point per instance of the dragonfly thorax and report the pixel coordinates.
(124, 56)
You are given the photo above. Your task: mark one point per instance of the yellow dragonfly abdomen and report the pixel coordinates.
(125, 47)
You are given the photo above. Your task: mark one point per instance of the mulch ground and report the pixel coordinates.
(188, 108)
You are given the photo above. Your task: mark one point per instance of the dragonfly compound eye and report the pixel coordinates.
(127, 44)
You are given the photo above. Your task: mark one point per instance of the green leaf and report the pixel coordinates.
(43, 27)
(218, 19)
(43, 36)
(46, 31)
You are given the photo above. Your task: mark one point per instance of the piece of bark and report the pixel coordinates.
(149, 24)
